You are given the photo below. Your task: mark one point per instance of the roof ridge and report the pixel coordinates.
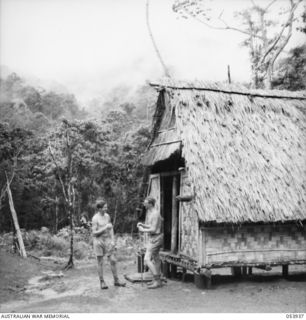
(246, 92)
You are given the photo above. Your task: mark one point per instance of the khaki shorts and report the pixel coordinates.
(103, 247)
(154, 244)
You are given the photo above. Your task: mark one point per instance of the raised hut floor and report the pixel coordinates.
(176, 266)
(173, 263)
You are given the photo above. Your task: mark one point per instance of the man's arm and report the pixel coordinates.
(151, 227)
(112, 236)
(97, 232)
(143, 225)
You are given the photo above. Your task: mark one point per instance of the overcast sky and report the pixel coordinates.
(91, 46)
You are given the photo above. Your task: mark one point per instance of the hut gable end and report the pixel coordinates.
(165, 139)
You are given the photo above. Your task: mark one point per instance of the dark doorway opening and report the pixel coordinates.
(167, 206)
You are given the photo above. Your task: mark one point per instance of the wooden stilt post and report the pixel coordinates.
(174, 216)
(250, 270)
(184, 273)
(208, 283)
(15, 220)
(236, 271)
(166, 269)
(244, 271)
(173, 271)
(285, 270)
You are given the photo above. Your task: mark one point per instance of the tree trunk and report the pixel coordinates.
(268, 80)
(16, 223)
(70, 205)
(71, 235)
(70, 263)
(115, 214)
(56, 214)
(79, 204)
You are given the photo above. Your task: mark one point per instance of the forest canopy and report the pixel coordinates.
(47, 140)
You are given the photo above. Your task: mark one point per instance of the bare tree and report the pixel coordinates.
(7, 190)
(266, 38)
(21, 247)
(67, 185)
(158, 54)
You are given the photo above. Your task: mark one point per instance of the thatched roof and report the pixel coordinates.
(245, 150)
(166, 140)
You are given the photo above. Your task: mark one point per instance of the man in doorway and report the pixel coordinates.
(104, 242)
(155, 240)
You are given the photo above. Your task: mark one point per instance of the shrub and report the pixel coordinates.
(82, 250)
(31, 239)
(43, 243)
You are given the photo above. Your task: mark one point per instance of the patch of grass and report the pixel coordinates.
(44, 243)
(82, 250)
(14, 274)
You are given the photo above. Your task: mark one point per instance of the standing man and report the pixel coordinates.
(104, 242)
(155, 240)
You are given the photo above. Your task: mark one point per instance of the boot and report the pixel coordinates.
(156, 282)
(162, 279)
(103, 285)
(117, 283)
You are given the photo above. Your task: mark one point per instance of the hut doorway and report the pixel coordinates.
(170, 184)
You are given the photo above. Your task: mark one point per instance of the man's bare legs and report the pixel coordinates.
(154, 267)
(113, 264)
(100, 272)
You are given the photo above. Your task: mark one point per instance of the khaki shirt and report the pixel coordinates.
(99, 221)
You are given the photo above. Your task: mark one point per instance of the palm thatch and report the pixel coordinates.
(245, 150)
(166, 140)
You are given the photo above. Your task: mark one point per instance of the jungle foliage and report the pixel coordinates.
(62, 158)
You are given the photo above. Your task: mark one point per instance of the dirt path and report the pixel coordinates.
(78, 291)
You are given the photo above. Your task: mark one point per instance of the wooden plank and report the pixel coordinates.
(179, 226)
(164, 143)
(174, 216)
(153, 191)
(201, 256)
(204, 249)
(162, 213)
(169, 173)
(166, 130)
(259, 250)
(182, 180)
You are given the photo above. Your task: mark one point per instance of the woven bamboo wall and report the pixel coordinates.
(189, 222)
(257, 244)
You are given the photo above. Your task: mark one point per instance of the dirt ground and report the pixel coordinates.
(33, 286)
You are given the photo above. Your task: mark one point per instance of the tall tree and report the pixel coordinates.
(265, 37)
(66, 143)
(291, 73)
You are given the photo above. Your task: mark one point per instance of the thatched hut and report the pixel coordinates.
(228, 168)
